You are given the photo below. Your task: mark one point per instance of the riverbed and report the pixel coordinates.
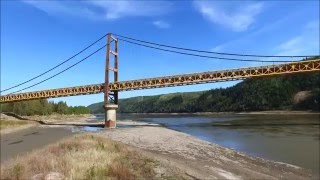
(292, 139)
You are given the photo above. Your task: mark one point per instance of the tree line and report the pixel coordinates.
(42, 107)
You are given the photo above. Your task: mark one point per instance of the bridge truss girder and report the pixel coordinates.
(173, 80)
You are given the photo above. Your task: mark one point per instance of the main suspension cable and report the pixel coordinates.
(58, 65)
(61, 71)
(198, 55)
(212, 52)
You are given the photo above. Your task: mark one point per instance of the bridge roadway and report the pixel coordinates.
(173, 80)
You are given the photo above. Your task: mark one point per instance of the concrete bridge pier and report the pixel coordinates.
(110, 115)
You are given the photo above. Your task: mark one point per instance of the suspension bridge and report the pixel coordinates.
(110, 88)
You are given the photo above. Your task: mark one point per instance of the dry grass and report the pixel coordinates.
(6, 123)
(82, 157)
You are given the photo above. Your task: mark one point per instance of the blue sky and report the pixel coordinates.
(36, 35)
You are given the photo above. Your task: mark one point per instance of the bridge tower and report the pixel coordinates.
(111, 98)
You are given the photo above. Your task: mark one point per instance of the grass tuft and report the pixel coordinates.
(95, 172)
(120, 171)
(17, 171)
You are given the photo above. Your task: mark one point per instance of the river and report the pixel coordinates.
(291, 139)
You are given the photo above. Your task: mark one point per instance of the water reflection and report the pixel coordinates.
(84, 128)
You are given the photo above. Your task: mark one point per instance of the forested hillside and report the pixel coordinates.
(291, 92)
(42, 107)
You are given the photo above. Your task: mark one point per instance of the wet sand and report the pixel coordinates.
(29, 139)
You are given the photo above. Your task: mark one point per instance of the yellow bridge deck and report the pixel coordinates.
(173, 80)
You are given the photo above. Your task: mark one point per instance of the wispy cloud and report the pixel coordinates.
(252, 36)
(103, 10)
(57, 8)
(118, 9)
(306, 43)
(238, 18)
(161, 24)
(291, 45)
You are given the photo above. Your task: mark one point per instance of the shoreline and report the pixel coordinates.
(17, 128)
(199, 158)
(275, 112)
(48, 120)
(9, 124)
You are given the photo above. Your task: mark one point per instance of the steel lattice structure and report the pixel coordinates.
(173, 80)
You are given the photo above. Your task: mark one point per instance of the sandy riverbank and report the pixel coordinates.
(17, 128)
(13, 124)
(60, 118)
(198, 158)
(10, 124)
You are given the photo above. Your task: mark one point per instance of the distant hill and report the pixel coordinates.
(152, 102)
(291, 92)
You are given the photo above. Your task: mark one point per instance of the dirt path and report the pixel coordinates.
(200, 159)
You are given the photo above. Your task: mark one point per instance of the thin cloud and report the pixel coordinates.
(238, 18)
(161, 24)
(103, 10)
(119, 9)
(291, 43)
(307, 43)
(57, 8)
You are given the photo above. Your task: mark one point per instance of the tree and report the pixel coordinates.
(61, 107)
(42, 107)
